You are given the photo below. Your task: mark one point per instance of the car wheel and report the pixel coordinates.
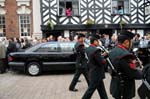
(33, 69)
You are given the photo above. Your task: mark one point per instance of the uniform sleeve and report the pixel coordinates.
(127, 69)
(81, 49)
(148, 74)
(99, 58)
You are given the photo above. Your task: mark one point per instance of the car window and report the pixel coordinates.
(48, 47)
(67, 47)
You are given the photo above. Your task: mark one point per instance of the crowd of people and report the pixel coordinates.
(17, 44)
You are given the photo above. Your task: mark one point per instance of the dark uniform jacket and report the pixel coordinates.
(96, 62)
(80, 51)
(122, 60)
(11, 47)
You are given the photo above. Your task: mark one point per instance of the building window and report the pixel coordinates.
(2, 26)
(120, 6)
(24, 22)
(68, 7)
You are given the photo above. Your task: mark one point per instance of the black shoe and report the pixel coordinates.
(74, 90)
(2, 72)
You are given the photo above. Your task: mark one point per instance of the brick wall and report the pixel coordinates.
(12, 18)
(12, 22)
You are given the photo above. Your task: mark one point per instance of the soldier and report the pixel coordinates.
(123, 82)
(2, 57)
(81, 62)
(96, 69)
(144, 89)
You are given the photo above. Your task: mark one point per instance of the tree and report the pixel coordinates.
(89, 22)
(122, 24)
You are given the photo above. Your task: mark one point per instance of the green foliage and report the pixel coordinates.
(50, 25)
(89, 22)
(122, 23)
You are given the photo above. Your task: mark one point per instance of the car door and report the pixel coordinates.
(49, 53)
(67, 55)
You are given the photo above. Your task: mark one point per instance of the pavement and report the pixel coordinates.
(47, 86)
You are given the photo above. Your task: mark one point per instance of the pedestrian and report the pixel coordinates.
(81, 62)
(18, 44)
(68, 12)
(11, 46)
(96, 64)
(2, 57)
(123, 81)
(27, 43)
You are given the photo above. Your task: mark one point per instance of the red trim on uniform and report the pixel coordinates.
(132, 65)
(104, 61)
(93, 45)
(121, 46)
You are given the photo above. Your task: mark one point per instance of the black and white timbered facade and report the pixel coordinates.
(105, 14)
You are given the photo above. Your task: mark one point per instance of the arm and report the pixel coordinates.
(99, 58)
(81, 49)
(127, 68)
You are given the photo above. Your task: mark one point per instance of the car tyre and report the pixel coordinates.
(33, 68)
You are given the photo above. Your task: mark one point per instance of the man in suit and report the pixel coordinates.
(96, 69)
(81, 62)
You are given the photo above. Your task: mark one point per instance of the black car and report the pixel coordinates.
(44, 57)
(143, 52)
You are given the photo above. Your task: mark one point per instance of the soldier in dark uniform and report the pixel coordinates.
(96, 64)
(144, 89)
(123, 82)
(81, 63)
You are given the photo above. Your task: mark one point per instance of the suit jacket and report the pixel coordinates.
(11, 47)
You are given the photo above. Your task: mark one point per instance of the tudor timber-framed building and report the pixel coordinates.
(106, 15)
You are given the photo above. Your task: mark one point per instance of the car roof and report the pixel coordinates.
(40, 44)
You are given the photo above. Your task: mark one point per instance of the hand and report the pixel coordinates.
(138, 63)
(105, 54)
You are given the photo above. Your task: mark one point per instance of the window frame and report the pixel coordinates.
(58, 8)
(3, 25)
(49, 46)
(129, 8)
(26, 22)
